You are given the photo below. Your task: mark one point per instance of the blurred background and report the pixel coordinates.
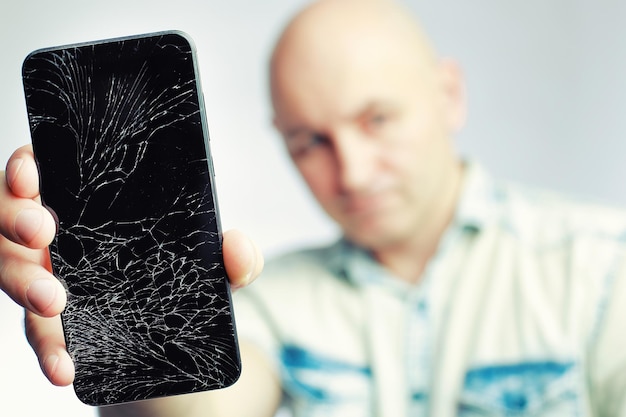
(545, 82)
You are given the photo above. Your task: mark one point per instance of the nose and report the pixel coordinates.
(356, 157)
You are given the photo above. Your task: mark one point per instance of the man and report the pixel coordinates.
(450, 293)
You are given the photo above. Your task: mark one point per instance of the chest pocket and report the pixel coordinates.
(538, 389)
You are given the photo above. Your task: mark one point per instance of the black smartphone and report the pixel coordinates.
(120, 137)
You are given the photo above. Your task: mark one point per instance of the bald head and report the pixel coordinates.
(331, 37)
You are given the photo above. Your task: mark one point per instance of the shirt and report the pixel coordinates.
(519, 313)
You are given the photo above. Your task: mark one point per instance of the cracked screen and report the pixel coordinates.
(120, 139)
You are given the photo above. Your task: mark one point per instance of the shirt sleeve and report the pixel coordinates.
(254, 324)
(607, 359)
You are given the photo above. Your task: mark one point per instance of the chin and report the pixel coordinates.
(374, 238)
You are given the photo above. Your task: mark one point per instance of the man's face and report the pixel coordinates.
(370, 138)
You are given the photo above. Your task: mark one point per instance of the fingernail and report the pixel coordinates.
(252, 266)
(50, 364)
(13, 168)
(27, 224)
(245, 280)
(41, 294)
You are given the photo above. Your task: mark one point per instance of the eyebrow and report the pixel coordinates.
(362, 111)
(293, 132)
(372, 105)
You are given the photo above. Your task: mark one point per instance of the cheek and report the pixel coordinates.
(413, 156)
(406, 147)
(419, 137)
(319, 175)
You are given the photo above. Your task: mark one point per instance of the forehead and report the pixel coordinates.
(334, 83)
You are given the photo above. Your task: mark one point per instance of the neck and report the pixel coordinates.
(408, 258)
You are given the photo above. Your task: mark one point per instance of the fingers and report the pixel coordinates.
(242, 258)
(22, 219)
(25, 278)
(45, 335)
(26, 228)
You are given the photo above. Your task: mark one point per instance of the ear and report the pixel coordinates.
(453, 88)
(278, 124)
(275, 123)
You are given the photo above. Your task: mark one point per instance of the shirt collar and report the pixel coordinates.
(478, 200)
(357, 266)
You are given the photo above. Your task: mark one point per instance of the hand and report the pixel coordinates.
(27, 228)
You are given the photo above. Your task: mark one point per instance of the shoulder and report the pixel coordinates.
(574, 247)
(302, 271)
(304, 257)
(300, 264)
(544, 217)
(299, 295)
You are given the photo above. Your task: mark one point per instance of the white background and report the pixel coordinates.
(547, 99)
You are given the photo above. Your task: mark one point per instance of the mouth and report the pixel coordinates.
(364, 205)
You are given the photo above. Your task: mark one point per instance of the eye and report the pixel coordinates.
(378, 119)
(303, 144)
(375, 122)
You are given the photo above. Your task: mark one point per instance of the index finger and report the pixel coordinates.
(22, 176)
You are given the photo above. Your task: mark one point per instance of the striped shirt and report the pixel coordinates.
(519, 313)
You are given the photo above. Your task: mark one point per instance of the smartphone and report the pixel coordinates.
(121, 141)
